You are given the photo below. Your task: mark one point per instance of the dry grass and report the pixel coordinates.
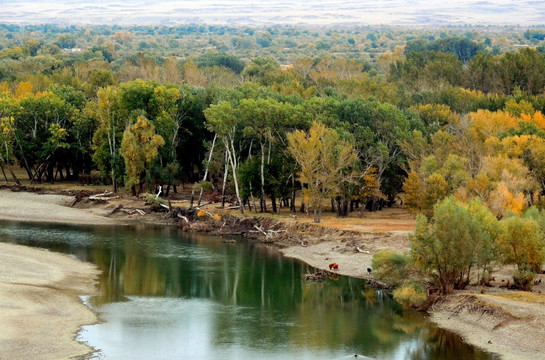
(521, 296)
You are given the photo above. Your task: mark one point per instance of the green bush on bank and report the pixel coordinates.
(390, 267)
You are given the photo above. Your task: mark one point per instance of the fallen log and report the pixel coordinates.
(358, 249)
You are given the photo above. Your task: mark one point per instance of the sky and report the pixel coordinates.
(261, 12)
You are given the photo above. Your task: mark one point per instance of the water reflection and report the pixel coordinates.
(167, 295)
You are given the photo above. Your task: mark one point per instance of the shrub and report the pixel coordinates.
(390, 267)
(458, 237)
(524, 278)
(151, 200)
(411, 294)
(521, 243)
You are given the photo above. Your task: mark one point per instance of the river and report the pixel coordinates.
(165, 294)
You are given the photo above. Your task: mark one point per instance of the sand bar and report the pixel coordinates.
(40, 308)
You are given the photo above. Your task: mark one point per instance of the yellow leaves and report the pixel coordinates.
(326, 161)
(4, 87)
(201, 213)
(537, 118)
(23, 88)
(371, 185)
(485, 124)
(139, 147)
(193, 76)
(501, 200)
(411, 295)
(438, 114)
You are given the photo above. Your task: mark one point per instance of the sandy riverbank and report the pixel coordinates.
(40, 311)
(48, 208)
(508, 323)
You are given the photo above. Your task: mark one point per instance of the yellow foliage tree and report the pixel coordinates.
(413, 189)
(23, 88)
(485, 123)
(501, 200)
(324, 159)
(139, 148)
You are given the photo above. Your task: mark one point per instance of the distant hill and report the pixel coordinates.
(294, 12)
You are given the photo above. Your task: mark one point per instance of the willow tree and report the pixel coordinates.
(325, 161)
(139, 147)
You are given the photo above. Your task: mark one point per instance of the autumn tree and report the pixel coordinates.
(325, 161)
(139, 148)
(521, 243)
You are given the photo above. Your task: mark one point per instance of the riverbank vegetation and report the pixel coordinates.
(449, 123)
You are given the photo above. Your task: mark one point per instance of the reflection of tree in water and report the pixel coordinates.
(435, 343)
(110, 263)
(261, 300)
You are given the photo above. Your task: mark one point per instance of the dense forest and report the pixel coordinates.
(355, 117)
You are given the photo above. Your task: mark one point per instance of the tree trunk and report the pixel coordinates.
(273, 201)
(263, 201)
(10, 171)
(206, 169)
(292, 203)
(231, 155)
(4, 173)
(226, 171)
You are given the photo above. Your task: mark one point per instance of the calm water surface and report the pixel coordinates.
(169, 295)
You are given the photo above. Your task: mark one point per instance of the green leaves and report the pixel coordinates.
(458, 237)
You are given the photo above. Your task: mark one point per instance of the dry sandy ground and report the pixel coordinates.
(343, 252)
(40, 311)
(24, 206)
(508, 323)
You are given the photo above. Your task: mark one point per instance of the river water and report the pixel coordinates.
(165, 294)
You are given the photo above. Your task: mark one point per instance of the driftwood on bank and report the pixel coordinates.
(128, 211)
(269, 233)
(104, 197)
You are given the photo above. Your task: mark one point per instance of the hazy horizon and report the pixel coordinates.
(255, 12)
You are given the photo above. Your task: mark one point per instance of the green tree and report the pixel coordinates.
(458, 237)
(222, 120)
(106, 140)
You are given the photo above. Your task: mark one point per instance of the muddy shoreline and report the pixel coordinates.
(317, 245)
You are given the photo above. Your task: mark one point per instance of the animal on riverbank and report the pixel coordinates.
(333, 266)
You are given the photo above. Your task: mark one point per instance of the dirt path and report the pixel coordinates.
(40, 311)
